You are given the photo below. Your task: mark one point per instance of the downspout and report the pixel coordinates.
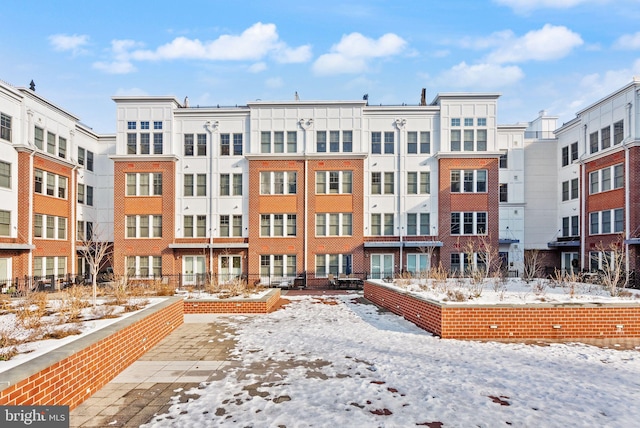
(30, 142)
(73, 189)
(400, 122)
(627, 191)
(305, 125)
(583, 202)
(212, 127)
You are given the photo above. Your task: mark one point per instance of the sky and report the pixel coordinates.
(339, 363)
(553, 55)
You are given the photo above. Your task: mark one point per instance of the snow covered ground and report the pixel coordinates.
(337, 362)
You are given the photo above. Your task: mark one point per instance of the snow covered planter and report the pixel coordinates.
(70, 374)
(540, 319)
(202, 303)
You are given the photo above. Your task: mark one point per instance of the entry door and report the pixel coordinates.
(193, 268)
(568, 263)
(230, 268)
(381, 265)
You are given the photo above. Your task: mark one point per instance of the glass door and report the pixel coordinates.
(193, 269)
(230, 268)
(381, 266)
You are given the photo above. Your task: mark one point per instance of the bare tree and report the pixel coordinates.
(95, 252)
(613, 274)
(532, 265)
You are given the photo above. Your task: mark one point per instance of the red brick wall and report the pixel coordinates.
(73, 379)
(466, 202)
(144, 205)
(232, 306)
(537, 321)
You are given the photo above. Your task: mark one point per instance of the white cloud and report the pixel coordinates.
(254, 43)
(288, 55)
(495, 39)
(628, 41)
(121, 63)
(74, 43)
(549, 43)
(257, 67)
(524, 6)
(352, 53)
(485, 76)
(274, 82)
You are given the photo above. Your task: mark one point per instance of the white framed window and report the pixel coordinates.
(418, 182)
(469, 223)
(278, 182)
(144, 184)
(230, 225)
(230, 184)
(334, 182)
(194, 226)
(5, 175)
(418, 263)
(382, 266)
(278, 225)
(464, 262)
(144, 266)
(5, 224)
(5, 127)
(56, 185)
(334, 264)
(468, 181)
(50, 227)
(607, 221)
(570, 226)
(277, 267)
(49, 265)
(382, 224)
(143, 226)
(605, 179)
(418, 224)
(334, 224)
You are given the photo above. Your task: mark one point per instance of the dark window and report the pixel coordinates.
(376, 142)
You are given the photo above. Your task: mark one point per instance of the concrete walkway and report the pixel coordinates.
(197, 351)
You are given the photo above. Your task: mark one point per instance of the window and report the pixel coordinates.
(277, 225)
(334, 141)
(328, 182)
(388, 183)
(139, 184)
(468, 140)
(376, 224)
(593, 142)
(618, 132)
(504, 193)
(131, 125)
(422, 187)
(475, 181)
(49, 266)
(468, 223)
(51, 143)
(144, 226)
(237, 144)
(81, 156)
(56, 185)
(274, 182)
(5, 175)
(376, 142)
(265, 142)
(425, 142)
(85, 158)
(278, 266)
(605, 137)
(144, 266)
(417, 263)
(90, 196)
(504, 160)
(412, 142)
(376, 183)
(188, 144)
(389, 143)
(50, 227)
(132, 144)
(455, 140)
(414, 228)
(608, 221)
(278, 142)
(157, 143)
(321, 141)
(334, 224)
(468, 121)
(347, 141)
(144, 124)
(81, 191)
(157, 125)
(62, 147)
(574, 188)
(38, 138)
(5, 127)
(51, 184)
(609, 178)
(201, 185)
(292, 142)
(565, 156)
(38, 180)
(236, 189)
(570, 226)
(382, 224)
(455, 121)
(482, 121)
(333, 264)
(574, 151)
(200, 181)
(62, 187)
(195, 226)
(5, 223)
(235, 229)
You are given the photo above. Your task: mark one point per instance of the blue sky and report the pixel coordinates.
(556, 55)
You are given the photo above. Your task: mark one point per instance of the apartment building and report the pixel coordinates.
(279, 191)
(52, 175)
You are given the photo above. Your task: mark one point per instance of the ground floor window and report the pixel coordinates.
(465, 263)
(277, 268)
(570, 263)
(144, 266)
(417, 263)
(382, 266)
(47, 266)
(5, 272)
(333, 264)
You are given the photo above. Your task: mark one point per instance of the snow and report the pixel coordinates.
(31, 350)
(204, 295)
(313, 363)
(493, 291)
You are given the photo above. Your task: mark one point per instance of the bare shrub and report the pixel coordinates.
(162, 288)
(439, 273)
(8, 344)
(5, 302)
(532, 265)
(60, 333)
(455, 296)
(31, 310)
(614, 275)
(73, 300)
(104, 311)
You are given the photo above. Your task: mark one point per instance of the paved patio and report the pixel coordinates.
(198, 351)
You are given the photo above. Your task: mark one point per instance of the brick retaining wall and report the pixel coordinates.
(560, 321)
(72, 373)
(233, 306)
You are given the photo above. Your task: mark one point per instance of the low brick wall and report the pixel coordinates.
(232, 305)
(560, 321)
(72, 373)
